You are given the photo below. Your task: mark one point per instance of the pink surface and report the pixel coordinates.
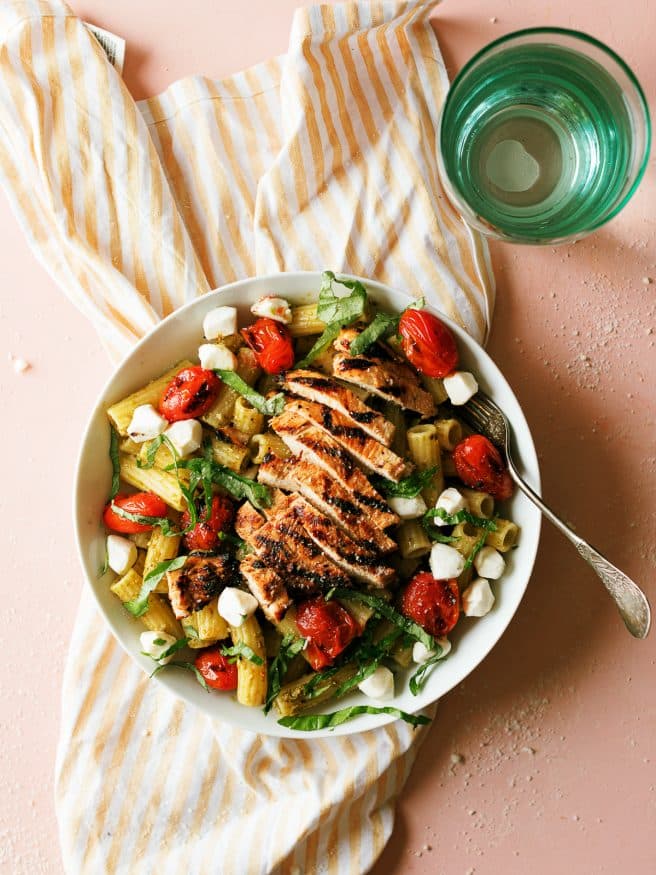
(543, 759)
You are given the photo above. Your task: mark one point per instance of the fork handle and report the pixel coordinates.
(627, 595)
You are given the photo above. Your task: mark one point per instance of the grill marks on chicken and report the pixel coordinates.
(364, 449)
(267, 587)
(314, 386)
(312, 444)
(382, 373)
(198, 581)
(327, 495)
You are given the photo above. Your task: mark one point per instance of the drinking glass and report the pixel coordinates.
(544, 136)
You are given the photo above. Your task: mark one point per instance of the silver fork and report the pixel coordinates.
(485, 417)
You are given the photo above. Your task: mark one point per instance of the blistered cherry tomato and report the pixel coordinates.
(328, 627)
(272, 344)
(480, 466)
(218, 671)
(190, 394)
(141, 503)
(205, 534)
(434, 604)
(427, 343)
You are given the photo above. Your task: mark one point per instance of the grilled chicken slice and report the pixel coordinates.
(337, 545)
(284, 544)
(367, 451)
(311, 443)
(198, 581)
(266, 586)
(247, 520)
(317, 387)
(329, 496)
(386, 376)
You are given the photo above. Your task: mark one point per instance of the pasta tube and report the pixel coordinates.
(251, 678)
(294, 698)
(412, 540)
(261, 445)
(162, 483)
(449, 433)
(435, 387)
(305, 321)
(468, 536)
(246, 418)
(424, 449)
(221, 412)
(505, 537)
(396, 416)
(479, 503)
(159, 550)
(229, 453)
(159, 617)
(120, 413)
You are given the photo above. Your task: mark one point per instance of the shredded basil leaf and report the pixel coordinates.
(311, 722)
(187, 666)
(187, 491)
(462, 516)
(380, 327)
(139, 605)
(177, 645)
(210, 472)
(116, 465)
(344, 309)
(312, 688)
(268, 406)
(475, 549)
(190, 632)
(159, 642)
(324, 340)
(407, 487)
(241, 651)
(383, 609)
(290, 646)
(420, 677)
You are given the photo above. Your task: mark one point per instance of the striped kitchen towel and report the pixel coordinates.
(324, 157)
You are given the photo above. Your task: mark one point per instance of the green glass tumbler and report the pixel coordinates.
(544, 136)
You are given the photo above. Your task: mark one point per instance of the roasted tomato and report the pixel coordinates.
(190, 394)
(480, 466)
(272, 344)
(328, 627)
(218, 671)
(141, 503)
(205, 534)
(427, 343)
(434, 604)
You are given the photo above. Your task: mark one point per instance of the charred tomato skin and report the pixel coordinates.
(205, 534)
(219, 673)
(272, 344)
(434, 604)
(328, 627)
(479, 465)
(190, 394)
(428, 343)
(141, 503)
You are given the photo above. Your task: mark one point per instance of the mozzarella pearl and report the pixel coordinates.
(271, 307)
(460, 386)
(445, 562)
(379, 685)
(186, 436)
(489, 563)
(121, 553)
(214, 355)
(408, 508)
(421, 653)
(146, 424)
(478, 598)
(148, 646)
(220, 322)
(236, 606)
(450, 501)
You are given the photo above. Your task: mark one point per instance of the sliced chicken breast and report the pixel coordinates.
(198, 581)
(266, 586)
(392, 380)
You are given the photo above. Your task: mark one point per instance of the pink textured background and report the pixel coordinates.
(556, 728)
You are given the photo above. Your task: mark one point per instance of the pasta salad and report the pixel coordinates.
(300, 512)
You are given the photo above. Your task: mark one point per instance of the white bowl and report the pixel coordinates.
(178, 337)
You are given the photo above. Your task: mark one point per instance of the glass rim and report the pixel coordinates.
(584, 38)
